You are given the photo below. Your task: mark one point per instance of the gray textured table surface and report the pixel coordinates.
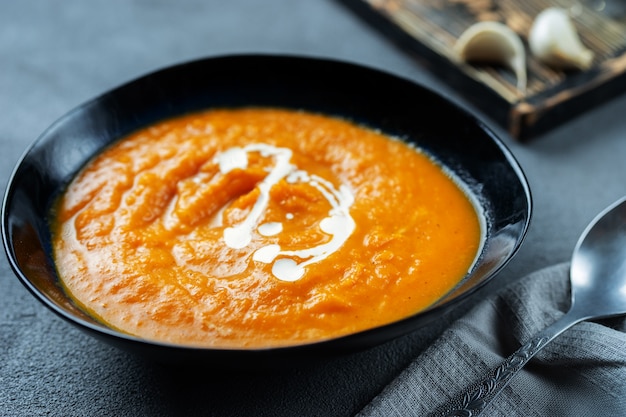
(55, 54)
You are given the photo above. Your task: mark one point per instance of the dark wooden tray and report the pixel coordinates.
(430, 28)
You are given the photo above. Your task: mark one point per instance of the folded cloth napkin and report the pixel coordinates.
(580, 373)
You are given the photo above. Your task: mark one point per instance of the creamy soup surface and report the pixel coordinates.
(260, 227)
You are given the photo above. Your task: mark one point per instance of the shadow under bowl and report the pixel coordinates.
(395, 106)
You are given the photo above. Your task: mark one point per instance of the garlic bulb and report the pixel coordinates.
(554, 41)
(494, 42)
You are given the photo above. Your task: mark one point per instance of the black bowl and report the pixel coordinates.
(376, 99)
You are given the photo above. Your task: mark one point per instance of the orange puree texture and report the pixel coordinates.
(139, 243)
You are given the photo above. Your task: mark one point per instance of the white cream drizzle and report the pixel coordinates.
(270, 229)
(339, 224)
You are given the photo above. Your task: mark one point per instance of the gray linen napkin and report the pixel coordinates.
(581, 373)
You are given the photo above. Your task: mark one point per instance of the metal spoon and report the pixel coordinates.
(598, 282)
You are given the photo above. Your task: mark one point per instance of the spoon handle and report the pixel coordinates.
(474, 400)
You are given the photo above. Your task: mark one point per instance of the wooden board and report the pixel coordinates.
(430, 28)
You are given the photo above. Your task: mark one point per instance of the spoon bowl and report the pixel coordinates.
(598, 267)
(598, 290)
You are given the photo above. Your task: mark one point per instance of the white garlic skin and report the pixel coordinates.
(494, 42)
(553, 39)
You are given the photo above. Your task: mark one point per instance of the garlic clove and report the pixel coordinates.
(553, 39)
(493, 42)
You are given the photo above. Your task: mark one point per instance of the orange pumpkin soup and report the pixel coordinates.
(260, 227)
